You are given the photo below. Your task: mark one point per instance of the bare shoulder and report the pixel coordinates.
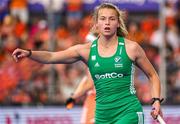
(83, 50)
(133, 49)
(131, 44)
(80, 47)
(83, 47)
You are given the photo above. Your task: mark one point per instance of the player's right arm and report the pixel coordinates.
(67, 56)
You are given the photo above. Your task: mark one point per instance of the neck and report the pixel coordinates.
(108, 41)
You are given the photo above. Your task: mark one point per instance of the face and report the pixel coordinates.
(107, 22)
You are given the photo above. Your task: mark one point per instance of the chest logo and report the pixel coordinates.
(117, 59)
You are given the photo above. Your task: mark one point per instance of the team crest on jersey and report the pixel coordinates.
(118, 61)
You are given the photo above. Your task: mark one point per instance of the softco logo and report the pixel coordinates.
(109, 75)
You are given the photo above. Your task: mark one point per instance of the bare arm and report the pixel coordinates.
(67, 56)
(143, 63)
(85, 85)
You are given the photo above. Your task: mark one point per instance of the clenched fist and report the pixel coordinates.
(20, 53)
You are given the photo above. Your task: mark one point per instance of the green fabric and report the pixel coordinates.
(113, 79)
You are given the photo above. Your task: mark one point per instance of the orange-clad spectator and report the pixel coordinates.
(74, 5)
(8, 78)
(85, 27)
(134, 33)
(20, 29)
(62, 33)
(27, 67)
(148, 26)
(170, 21)
(74, 14)
(18, 8)
(21, 97)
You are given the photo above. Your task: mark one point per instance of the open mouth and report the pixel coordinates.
(107, 28)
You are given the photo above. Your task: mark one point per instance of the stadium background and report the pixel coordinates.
(32, 90)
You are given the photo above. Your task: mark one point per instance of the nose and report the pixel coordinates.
(107, 22)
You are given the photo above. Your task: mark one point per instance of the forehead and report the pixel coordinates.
(107, 12)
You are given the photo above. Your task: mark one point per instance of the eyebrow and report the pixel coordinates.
(108, 17)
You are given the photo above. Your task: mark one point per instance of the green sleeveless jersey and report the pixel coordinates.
(113, 80)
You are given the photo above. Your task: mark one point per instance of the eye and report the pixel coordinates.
(101, 18)
(113, 19)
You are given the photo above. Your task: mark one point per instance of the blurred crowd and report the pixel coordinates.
(30, 83)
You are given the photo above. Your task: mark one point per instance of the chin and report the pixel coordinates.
(108, 34)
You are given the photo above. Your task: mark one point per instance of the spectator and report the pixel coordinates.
(18, 8)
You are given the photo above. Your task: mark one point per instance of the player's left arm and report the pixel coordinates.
(144, 64)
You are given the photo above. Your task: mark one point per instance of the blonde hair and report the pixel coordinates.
(121, 31)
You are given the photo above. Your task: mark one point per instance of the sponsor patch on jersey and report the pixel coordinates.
(109, 75)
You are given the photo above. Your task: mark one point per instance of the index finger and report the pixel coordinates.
(15, 58)
(14, 52)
